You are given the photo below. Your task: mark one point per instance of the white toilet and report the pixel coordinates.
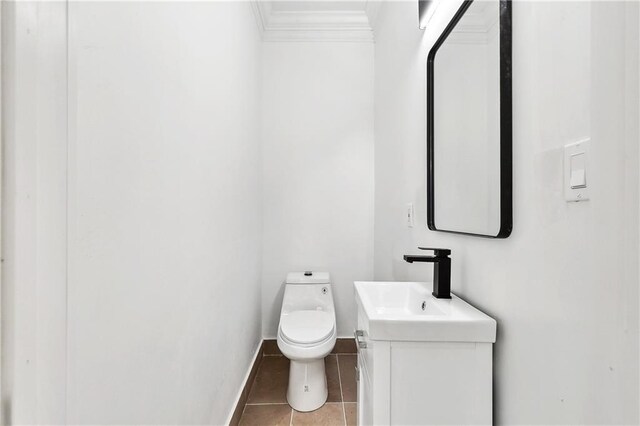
(307, 334)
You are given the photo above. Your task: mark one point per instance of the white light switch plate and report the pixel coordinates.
(409, 215)
(576, 171)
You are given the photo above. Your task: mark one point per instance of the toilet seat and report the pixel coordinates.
(307, 327)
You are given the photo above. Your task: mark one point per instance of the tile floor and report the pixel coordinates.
(267, 401)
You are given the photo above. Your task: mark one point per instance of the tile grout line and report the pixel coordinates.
(266, 403)
(344, 414)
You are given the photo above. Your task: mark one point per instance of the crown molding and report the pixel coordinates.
(257, 14)
(318, 35)
(372, 9)
(345, 25)
(477, 28)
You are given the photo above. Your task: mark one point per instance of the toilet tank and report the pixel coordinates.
(308, 292)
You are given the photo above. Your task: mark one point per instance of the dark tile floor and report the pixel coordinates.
(267, 401)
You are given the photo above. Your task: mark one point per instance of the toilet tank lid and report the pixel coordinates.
(308, 277)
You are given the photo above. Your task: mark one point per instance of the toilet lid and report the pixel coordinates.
(307, 326)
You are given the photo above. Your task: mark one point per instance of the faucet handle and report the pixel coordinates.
(438, 252)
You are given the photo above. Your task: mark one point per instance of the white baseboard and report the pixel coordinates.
(244, 382)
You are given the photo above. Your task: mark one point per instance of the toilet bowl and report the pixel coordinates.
(306, 335)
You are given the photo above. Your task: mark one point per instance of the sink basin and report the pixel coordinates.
(407, 311)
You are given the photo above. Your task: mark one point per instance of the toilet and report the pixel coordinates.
(306, 335)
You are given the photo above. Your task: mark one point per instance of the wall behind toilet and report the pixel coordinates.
(317, 171)
(564, 286)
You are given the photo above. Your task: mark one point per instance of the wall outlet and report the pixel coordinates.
(409, 215)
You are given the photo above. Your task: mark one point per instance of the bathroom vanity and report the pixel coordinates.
(421, 360)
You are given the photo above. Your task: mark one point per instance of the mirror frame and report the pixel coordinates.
(506, 138)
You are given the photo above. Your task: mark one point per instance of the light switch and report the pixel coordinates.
(576, 164)
(410, 215)
(578, 177)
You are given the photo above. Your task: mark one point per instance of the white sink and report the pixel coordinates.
(408, 311)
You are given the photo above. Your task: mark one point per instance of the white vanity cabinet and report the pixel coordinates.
(422, 382)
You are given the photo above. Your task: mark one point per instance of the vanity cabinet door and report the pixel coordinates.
(365, 395)
(365, 392)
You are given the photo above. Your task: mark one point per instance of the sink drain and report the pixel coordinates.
(424, 305)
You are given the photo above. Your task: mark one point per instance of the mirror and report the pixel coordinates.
(469, 182)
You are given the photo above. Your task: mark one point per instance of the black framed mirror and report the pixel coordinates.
(469, 121)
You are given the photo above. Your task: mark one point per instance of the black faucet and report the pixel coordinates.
(441, 270)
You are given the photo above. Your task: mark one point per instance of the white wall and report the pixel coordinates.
(317, 170)
(162, 165)
(34, 212)
(564, 286)
(164, 294)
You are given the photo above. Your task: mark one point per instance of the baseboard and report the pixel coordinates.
(243, 394)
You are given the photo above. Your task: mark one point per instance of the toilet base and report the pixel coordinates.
(307, 389)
